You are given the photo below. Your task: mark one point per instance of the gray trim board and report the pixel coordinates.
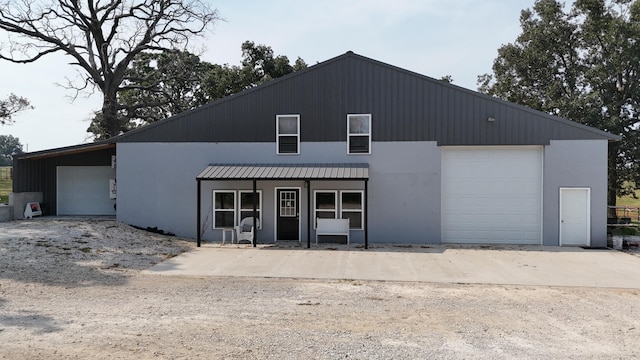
(68, 150)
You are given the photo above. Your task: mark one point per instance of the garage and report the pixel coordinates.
(492, 195)
(84, 190)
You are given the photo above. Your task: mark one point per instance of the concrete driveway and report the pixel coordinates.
(514, 265)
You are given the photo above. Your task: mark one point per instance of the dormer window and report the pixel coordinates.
(359, 134)
(287, 134)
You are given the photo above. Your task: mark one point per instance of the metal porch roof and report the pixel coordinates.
(285, 172)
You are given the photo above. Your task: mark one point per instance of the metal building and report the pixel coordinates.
(444, 164)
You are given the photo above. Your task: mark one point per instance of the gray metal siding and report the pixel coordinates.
(404, 195)
(575, 164)
(39, 175)
(405, 106)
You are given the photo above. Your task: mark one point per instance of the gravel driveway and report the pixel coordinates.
(74, 289)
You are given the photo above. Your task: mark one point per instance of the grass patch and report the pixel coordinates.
(6, 186)
(629, 200)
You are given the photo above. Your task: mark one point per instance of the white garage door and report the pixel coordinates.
(492, 195)
(84, 190)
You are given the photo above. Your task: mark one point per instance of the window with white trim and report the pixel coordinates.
(224, 209)
(359, 134)
(326, 205)
(246, 205)
(287, 134)
(352, 208)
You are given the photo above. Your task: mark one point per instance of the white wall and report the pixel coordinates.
(575, 163)
(157, 186)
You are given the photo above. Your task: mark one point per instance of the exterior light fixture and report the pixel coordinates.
(491, 119)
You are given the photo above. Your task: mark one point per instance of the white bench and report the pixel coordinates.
(332, 227)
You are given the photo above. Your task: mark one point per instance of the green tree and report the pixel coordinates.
(447, 78)
(102, 38)
(159, 85)
(258, 65)
(9, 146)
(156, 86)
(582, 64)
(10, 106)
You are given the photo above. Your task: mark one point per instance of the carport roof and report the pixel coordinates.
(285, 172)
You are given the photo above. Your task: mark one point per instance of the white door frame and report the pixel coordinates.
(588, 215)
(276, 203)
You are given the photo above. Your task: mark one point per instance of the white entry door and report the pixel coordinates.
(575, 224)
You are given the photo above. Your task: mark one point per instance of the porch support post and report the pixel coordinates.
(366, 214)
(198, 201)
(255, 213)
(308, 183)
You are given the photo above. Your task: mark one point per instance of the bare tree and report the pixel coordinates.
(102, 37)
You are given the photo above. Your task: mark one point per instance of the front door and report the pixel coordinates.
(575, 225)
(288, 214)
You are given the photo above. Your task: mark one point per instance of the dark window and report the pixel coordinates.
(246, 205)
(224, 210)
(359, 145)
(326, 204)
(359, 134)
(352, 208)
(288, 145)
(288, 134)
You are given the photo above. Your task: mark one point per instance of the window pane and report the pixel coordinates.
(288, 145)
(352, 200)
(359, 125)
(225, 200)
(325, 200)
(326, 214)
(224, 219)
(246, 214)
(246, 200)
(287, 125)
(355, 219)
(358, 145)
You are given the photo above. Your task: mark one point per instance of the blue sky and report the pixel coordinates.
(432, 37)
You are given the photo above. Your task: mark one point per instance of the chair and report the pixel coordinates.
(245, 230)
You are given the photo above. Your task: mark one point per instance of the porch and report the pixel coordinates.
(284, 199)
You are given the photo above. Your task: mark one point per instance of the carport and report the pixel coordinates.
(73, 180)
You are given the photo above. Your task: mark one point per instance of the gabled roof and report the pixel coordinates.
(405, 106)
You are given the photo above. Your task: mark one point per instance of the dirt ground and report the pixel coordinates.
(74, 290)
